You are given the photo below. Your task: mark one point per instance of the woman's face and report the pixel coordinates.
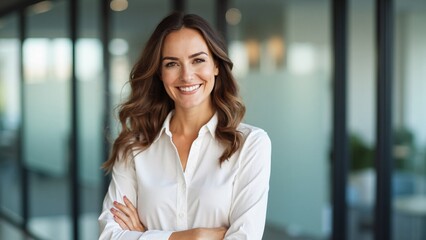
(187, 69)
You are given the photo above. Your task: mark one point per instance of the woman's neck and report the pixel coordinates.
(189, 122)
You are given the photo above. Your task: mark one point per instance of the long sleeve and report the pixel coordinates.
(123, 183)
(251, 187)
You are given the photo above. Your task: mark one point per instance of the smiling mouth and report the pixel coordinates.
(189, 88)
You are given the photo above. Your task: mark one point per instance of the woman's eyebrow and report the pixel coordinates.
(169, 58)
(197, 54)
(190, 56)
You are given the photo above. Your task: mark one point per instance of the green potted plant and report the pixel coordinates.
(362, 174)
(361, 154)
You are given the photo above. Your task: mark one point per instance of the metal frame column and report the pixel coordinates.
(221, 8)
(105, 37)
(340, 159)
(25, 204)
(384, 161)
(74, 149)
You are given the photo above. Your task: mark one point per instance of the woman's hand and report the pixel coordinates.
(200, 234)
(127, 216)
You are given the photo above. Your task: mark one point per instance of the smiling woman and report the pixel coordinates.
(183, 165)
(188, 70)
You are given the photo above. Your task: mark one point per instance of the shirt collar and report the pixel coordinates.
(165, 127)
(210, 126)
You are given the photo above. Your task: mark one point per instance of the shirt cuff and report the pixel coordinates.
(156, 235)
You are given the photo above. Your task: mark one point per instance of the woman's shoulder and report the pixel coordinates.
(250, 131)
(256, 142)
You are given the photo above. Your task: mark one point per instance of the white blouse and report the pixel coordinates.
(206, 194)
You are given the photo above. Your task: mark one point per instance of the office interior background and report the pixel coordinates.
(63, 70)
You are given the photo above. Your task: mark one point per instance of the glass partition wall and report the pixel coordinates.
(10, 115)
(281, 52)
(282, 59)
(409, 99)
(90, 111)
(47, 114)
(130, 29)
(361, 183)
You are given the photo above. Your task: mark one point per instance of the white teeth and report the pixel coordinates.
(190, 88)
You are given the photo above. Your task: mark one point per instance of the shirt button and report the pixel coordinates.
(181, 215)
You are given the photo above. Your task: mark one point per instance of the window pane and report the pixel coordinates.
(47, 71)
(361, 119)
(90, 78)
(409, 177)
(8, 231)
(10, 116)
(281, 54)
(130, 31)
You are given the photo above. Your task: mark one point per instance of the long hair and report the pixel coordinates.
(142, 115)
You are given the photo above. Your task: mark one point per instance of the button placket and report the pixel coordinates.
(193, 158)
(182, 203)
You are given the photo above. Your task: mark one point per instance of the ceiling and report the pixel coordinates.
(4, 4)
(8, 5)
(152, 9)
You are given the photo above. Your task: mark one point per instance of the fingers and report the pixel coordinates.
(122, 224)
(129, 204)
(124, 214)
(134, 215)
(121, 219)
(128, 215)
(123, 208)
(130, 212)
(133, 212)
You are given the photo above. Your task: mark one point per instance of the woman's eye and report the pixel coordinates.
(170, 64)
(199, 60)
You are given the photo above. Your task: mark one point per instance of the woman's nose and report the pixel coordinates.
(187, 73)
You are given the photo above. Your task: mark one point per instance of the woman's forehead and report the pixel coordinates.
(184, 40)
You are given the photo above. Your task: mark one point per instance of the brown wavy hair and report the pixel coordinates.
(148, 105)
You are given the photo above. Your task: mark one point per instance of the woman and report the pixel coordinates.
(184, 166)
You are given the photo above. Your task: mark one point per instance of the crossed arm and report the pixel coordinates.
(127, 217)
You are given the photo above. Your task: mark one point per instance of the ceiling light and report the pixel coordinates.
(41, 7)
(233, 16)
(118, 5)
